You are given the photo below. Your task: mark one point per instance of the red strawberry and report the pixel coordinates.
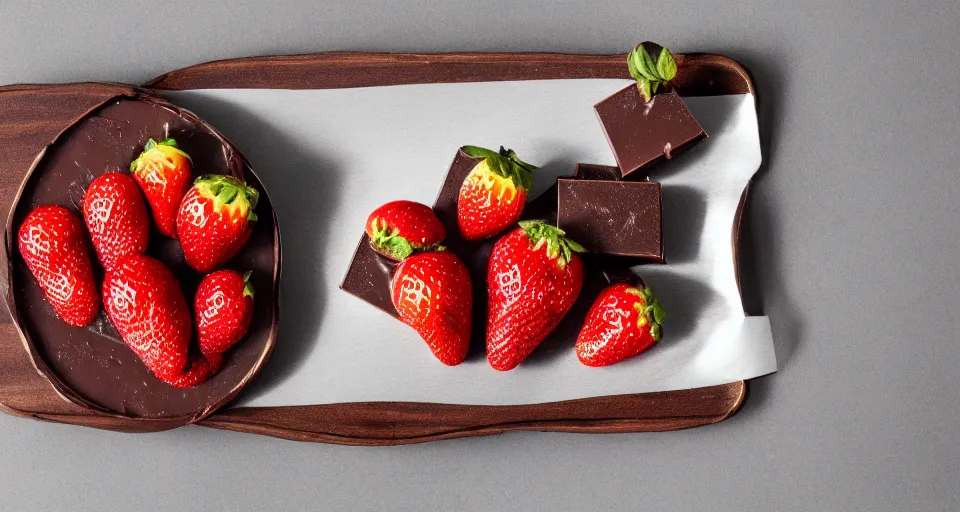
(224, 308)
(116, 218)
(623, 321)
(533, 279)
(164, 173)
(432, 293)
(145, 304)
(399, 228)
(202, 367)
(215, 220)
(52, 243)
(493, 194)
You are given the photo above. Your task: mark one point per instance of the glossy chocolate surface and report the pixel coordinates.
(621, 218)
(642, 133)
(92, 366)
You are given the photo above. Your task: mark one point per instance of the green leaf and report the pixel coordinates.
(398, 247)
(248, 289)
(659, 313)
(559, 247)
(478, 152)
(253, 196)
(666, 65)
(512, 156)
(575, 246)
(167, 142)
(643, 65)
(645, 89)
(632, 67)
(505, 164)
(649, 68)
(655, 332)
(150, 145)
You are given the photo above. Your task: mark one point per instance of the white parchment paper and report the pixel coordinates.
(328, 157)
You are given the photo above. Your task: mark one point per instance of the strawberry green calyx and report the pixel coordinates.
(229, 192)
(505, 164)
(651, 72)
(649, 312)
(388, 241)
(169, 144)
(559, 247)
(248, 286)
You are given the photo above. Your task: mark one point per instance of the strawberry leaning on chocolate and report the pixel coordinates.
(215, 220)
(116, 218)
(144, 302)
(623, 322)
(53, 244)
(164, 172)
(432, 294)
(399, 228)
(492, 196)
(533, 278)
(223, 307)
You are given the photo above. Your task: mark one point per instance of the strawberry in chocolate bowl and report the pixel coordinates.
(158, 355)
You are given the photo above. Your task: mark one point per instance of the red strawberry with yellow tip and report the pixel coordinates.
(223, 307)
(144, 302)
(399, 228)
(432, 294)
(116, 217)
(624, 321)
(164, 172)
(533, 278)
(492, 196)
(53, 244)
(215, 220)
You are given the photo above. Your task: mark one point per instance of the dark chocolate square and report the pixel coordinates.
(621, 218)
(642, 133)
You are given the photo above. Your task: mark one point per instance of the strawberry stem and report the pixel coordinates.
(229, 191)
(505, 164)
(389, 241)
(559, 247)
(649, 312)
(248, 286)
(151, 144)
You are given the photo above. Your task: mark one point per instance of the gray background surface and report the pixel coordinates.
(858, 233)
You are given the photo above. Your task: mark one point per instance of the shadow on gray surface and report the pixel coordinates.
(684, 209)
(761, 240)
(305, 190)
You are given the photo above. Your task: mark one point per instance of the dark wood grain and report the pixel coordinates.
(698, 74)
(30, 116)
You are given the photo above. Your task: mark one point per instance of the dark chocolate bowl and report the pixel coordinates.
(91, 366)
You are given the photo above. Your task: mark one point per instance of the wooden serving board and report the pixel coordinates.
(32, 115)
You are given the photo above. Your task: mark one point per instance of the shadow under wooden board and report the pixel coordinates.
(32, 116)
